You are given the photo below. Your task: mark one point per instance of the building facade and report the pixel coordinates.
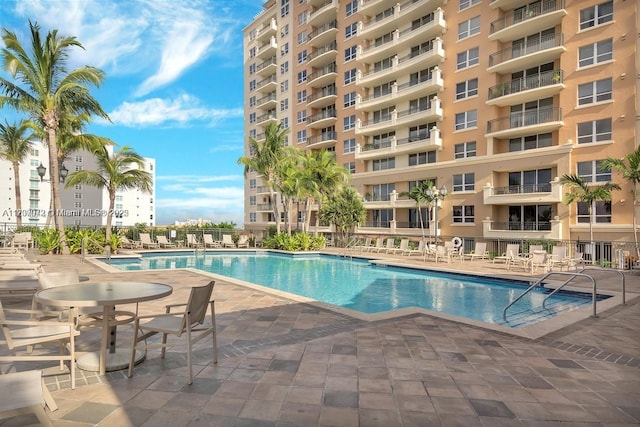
(493, 100)
(82, 205)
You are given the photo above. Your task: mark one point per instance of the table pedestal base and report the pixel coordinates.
(115, 361)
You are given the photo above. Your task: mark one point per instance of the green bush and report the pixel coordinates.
(48, 241)
(295, 243)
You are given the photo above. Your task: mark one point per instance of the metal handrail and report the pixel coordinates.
(539, 282)
(624, 299)
(83, 249)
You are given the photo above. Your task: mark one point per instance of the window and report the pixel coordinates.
(252, 52)
(593, 172)
(284, 86)
(350, 53)
(468, 58)
(302, 56)
(349, 99)
(302, 96)
(530, 142)
(350, 76)
(352, 7)
(253, 133)
(302, 18)
(302, 116)
(467, 89)
(383, 164)
(381, 192)
(600, 212)
(78, 187)
(420, 132)
(285, 30)
(284, 105)
(467, 120)
(252, 200)
(594, 131)
(596, 15)
(285, 49)
(349, 145)
(350, 122)
(422, 158)
(252, 217)
(464, 214)
(78, 159)
(252, 184)
(465, 149)
(530, 181)
(252, 69)
(465, 4)
(464, 182)
(284, 67)
(595, 53)
(592, 92)
(302, 76)
(77, 195)
(351, 167)
(468, 28)
(351, 30)
(284, 10)
(252, 101)
(302, 136)
(285, 122)
(252, 85)
(302, 37)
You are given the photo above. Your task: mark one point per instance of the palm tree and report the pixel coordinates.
(15, 147)
(265, 159)
(328, 176)
(630, 171)
(581, 191)
(344, 210)
(45, 90)
(419, 194)
(121, 171)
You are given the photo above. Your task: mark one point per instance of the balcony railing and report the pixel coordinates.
(321, 116)
(520, 189)
(265, 64)
(525, 13)
(331, 90)
(521, 226)
(264, 82)
(324, 49)
(547, 78)
(516, 51)
(378, 224)
(326, 27)
(327, 136)
(525, 118)
(331, 68)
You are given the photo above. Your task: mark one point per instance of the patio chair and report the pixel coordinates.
(442, 253)
(576, 260)
(403, 248)
(28, 332)
(517, 260)
(539, 259)
(506, 256)
(480, 252)
(227, 241)
(163, 242)
(558, 257)
(189, 321)
(387, 247)
(420, 250)
(25, 393)
(362, 246)
(375, 248)
(20, 241)
(243, 241)
(146, 241)
(208, 241)
(130, 244)
(192, 241)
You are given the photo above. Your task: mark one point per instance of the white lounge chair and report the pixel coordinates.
(506, 256)
(558, 258)
(163, 242)
(192, 241)
(539, 259)
(375, 248)
(130, 244)
(208, 241)
(420, 250)
(517, 260)
(403, 248)
(243, 241)
(145, 238)
(227, 241)
(480, 252)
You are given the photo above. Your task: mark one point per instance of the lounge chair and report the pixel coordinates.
(192, 241)
(362, 246)
(163, 242)
(506, 256)
(403, 248)
(442, 253)
(208, 241)
(517, 260)
(146, 241)
(130, 244)
(480, 252)
(558, 257)
(375, 248)
(539, 259)
(227, 241)
(420, 250)
(576, 260)
(243, 241)
(388, 247)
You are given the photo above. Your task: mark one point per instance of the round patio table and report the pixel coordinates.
(106, 295)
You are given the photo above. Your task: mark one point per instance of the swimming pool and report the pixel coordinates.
(359, 285)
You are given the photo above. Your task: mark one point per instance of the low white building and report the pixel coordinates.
(82, 205)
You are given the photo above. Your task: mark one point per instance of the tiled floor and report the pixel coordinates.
(283, 363)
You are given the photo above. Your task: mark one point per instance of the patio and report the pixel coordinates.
(284, 363)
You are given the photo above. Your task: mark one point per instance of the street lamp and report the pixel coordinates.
(42, 171)
(435, 195)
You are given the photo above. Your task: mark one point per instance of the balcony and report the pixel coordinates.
(267, 118)
(427, 113)
(262, 189)
(520, 57)
(403, 91)
(323, 34)
(404, 39)
(413, 62)
(523, 194)
(322, 120)
(268, 49)
(529, 20)
(374, 7)
(519, 91)
(267, 30)
(322, 98)
(507, 4)
(323, 77)
(267, 67)
(395, 146)
(323, 12)
(528, 122)
(268, 102)
(394, 17)
(265, 207)
(542, 230)
(322, 140)
(322, 56)
(267, 85)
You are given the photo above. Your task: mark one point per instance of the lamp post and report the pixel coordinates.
(435, 195)
(42, 171)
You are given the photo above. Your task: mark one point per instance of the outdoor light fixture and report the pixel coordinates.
(42, 171)
(436, 195)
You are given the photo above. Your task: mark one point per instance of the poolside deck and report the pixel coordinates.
(285, 363)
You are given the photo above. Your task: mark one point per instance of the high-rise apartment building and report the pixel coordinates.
(494, 100)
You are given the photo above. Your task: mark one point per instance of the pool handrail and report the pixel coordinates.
(624, 302)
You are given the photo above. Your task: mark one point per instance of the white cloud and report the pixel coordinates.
(221, 204)
(180, 110)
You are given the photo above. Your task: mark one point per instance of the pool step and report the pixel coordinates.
(517, 319)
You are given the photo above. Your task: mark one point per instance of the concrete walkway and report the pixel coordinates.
(285, 363)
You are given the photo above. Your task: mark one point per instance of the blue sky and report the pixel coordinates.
(173, 89)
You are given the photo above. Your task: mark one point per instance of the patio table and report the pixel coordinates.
(107, 295)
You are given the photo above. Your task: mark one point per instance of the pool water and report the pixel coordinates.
(359, 285)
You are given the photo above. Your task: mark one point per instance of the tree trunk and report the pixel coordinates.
(634, 204)
(112, 203)
(307, 214)
(16, 179)
(276, 211)
(51, 124)
(315, 232)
